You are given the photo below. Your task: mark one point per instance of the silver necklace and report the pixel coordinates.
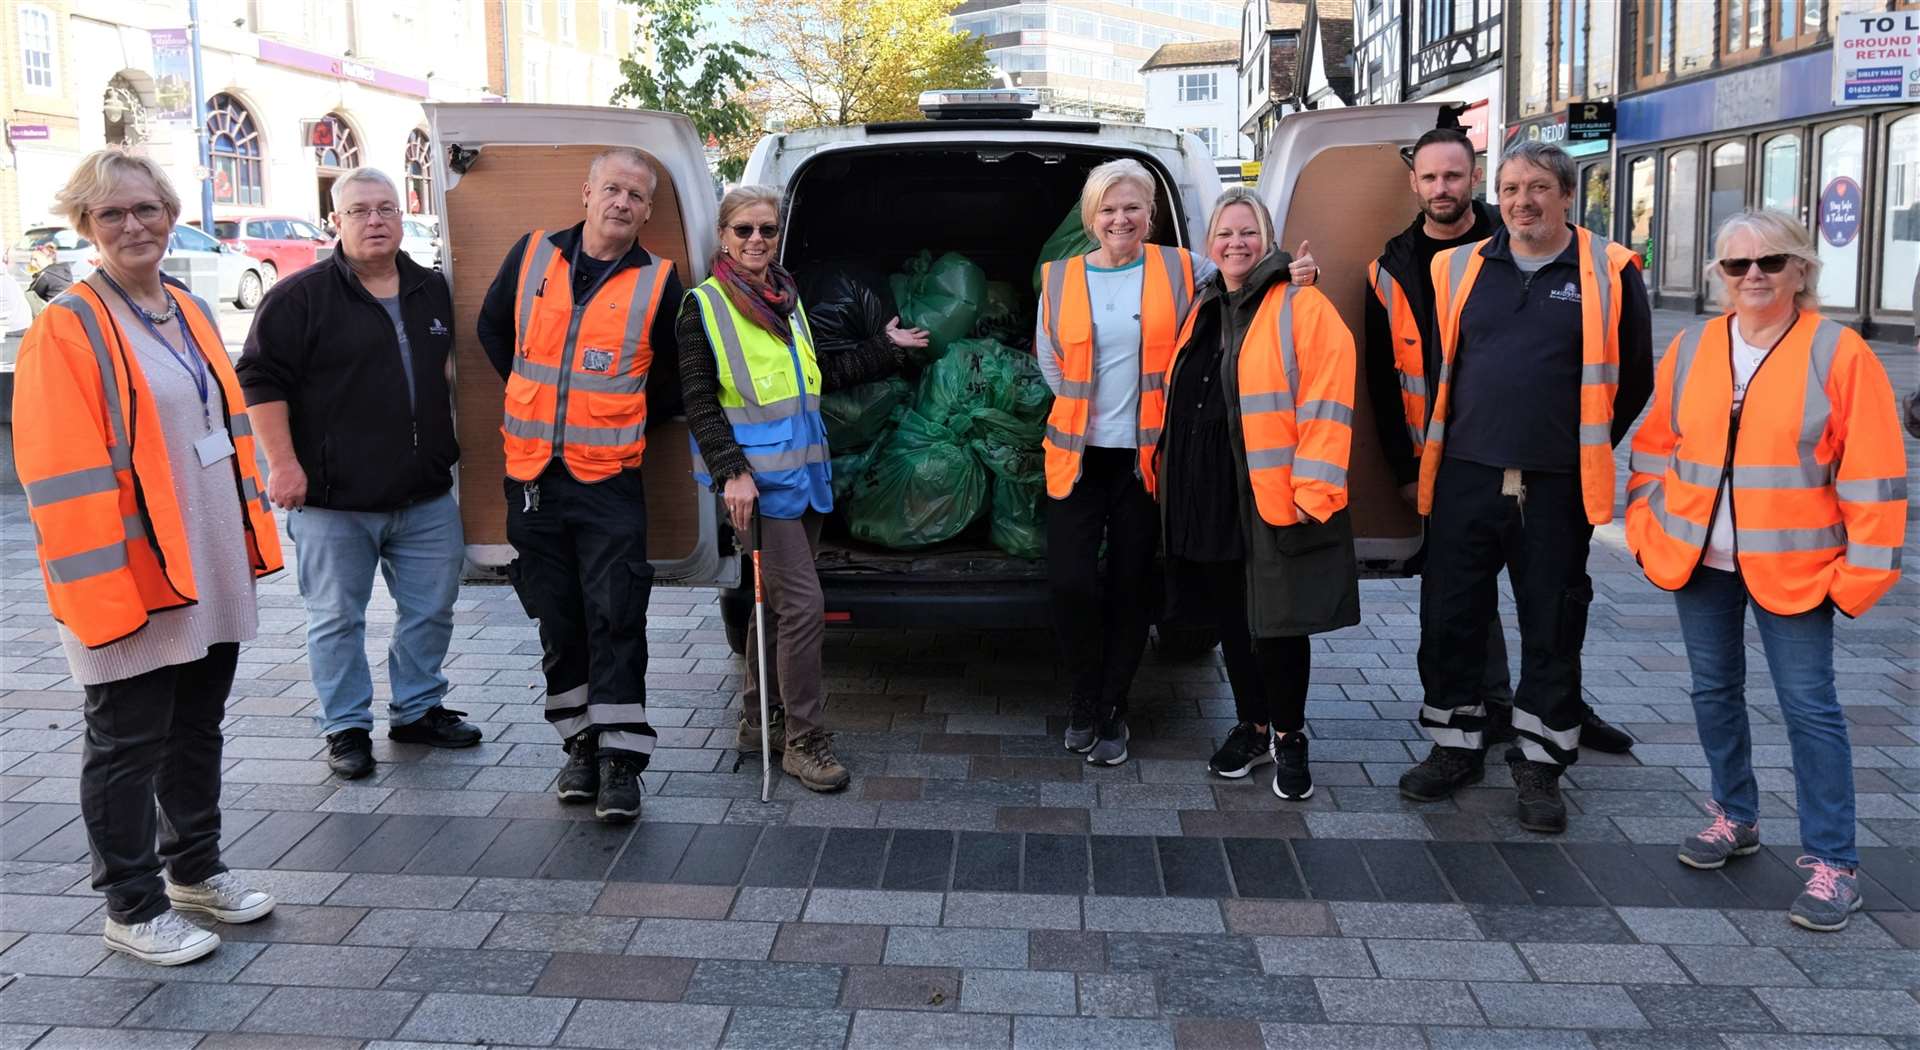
(162, 316)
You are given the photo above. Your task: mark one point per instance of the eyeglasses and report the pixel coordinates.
(1768, 264)
(146, 214)
(360, 213)
(744, 231)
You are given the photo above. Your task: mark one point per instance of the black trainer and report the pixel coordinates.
(580, 777)
(439, 727)
(1537, 794)
(1600, 735)
(1445, 771)
(1246, 747)
(1292, 779)
(350, 753)
(619, 799)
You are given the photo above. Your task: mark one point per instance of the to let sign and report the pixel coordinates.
(1876, 58)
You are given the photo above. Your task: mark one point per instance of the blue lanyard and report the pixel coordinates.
(191, 361)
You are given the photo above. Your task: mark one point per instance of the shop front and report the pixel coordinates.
(1768, 135)
(1585, 131)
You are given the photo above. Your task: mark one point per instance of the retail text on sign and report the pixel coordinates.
(1876, 58)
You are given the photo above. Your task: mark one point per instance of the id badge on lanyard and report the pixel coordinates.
(215, 444)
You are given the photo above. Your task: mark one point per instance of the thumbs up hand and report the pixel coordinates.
(1303, 271)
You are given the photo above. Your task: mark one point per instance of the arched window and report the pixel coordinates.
(419, 173)
(235, 143)
(128, 122)
(344, 151)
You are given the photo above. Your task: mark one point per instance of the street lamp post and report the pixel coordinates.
(200, 119)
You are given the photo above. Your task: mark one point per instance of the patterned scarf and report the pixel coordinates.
(769, 300)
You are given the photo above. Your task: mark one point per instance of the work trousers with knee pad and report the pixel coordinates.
(1538, 530)
(582, 571)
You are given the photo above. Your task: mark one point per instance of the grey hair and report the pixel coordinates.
(374, 175)
(1545, 156)
(1778, 234)
(632, 156)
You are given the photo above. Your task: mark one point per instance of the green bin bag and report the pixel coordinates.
(857, 416)
(923, 485)
(943, 296)
(1001, 318)
(1067, 240)
(1009, 448)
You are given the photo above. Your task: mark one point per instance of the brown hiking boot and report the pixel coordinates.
(748, 738)
(809, 759)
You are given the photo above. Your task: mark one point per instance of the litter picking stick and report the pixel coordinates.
(760, 650)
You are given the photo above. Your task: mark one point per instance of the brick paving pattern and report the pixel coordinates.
(975, 886)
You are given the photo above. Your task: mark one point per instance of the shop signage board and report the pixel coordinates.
(1589, 121)
(1840, 206)
(29, 132)
(1876, 58)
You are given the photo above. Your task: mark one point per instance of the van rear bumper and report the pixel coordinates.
(919, 605)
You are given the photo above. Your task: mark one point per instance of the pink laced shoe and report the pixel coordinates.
(1723, 839)
(1832, 895)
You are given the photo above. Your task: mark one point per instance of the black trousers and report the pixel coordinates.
(1102, 619)
(1542, 540)
(1269, 675)
(582, 571)
(153, 737)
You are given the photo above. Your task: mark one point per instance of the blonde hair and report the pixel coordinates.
(1778, 234)
(100, 173)
(1103, 179)
(1261, 217)
(743, 197)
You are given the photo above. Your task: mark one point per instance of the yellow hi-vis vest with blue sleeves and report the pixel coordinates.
(770, 392)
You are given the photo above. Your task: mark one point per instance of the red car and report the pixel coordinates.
(285, 243)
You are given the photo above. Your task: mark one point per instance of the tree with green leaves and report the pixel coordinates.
(837, 62)
(704, 79)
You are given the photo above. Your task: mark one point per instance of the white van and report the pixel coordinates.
(987, 181)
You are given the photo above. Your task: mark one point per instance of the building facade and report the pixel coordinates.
(564, 52)
(1563, 79)
(1437, 50)
(1083, 57)
(296, 91)
(1736, 110)
(1193, 88)
(1294, 55)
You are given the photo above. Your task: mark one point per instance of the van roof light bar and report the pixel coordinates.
(979, 104)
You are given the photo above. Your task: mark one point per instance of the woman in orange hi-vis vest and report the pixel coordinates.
(152, 524)
(1769, 473)
(1251, 475)
(1108, 321)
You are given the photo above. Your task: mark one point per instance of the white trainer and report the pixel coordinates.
(167, 939)
(223, 896)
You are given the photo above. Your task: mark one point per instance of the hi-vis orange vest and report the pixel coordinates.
(87, 440)
(1166, 293)
(1295, 410)
(1601, 263)
(1409, 356)
(1816, 471)
(578, 390)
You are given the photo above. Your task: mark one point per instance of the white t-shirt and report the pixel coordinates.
(1746, 360)
(15, 314)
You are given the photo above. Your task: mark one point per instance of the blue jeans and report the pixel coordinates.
(420, 550)
(1799, 652)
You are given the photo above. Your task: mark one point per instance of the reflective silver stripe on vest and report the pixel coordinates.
(1596, 434)
(1602, 282)
(1673, 524)
(768, 413)
(525, 428)
(1817, 407)
(1457, 261)
(72, 485)
(1692, 473)
(1270, 458)
(1604, 372)
(752, 411)
(97, 562)
(1646, 462)
(1065, 441)
(604, 437)
(1320, 470)
(1870, 556)
(1152, 381)
(1871, 490)
(1783, 541)
(530, 287)
(1182, 289)
(1326, 410)
(1147, 437)
(1277, 401)
(788, 459)
(1074, 388)
(1284, 323)
(121, 454)
(1383, 285)
(1415, 385)
(240, 424)
(1682, 364)
(1803, 476)
(1055, 286)
(548, 375)
(637, 317)
(1645, 488)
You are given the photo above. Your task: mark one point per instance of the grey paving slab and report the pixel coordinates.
(495, 971)
(1558, 1006)
(889, 1030)
(942, 946)
(1279, 1034)
(1746, 967)
(219, 967)
(115, 1039)
(71, 1000)
(652, 1026)
(1017, 992)
(1316, 956)
(350, 1013)
(1424, 921)
(424, 928)
(201, 1007)
(321, 966)
(728, 981)
(1843, 1011)
(562, 933)
(1025, 911)
(1083, 1033)
(1117, 995)
(53, 954)
(886, 907)
(1681, 926)
(1152, 915)
(459, 1018)
(1397, 1002)
(704, 939)
(1440, 1038)
(1603, 963)
(786, 1028)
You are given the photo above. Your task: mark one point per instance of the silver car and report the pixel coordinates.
(214, 271)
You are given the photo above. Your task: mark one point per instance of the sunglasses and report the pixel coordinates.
(1768, 264)
(744, 231)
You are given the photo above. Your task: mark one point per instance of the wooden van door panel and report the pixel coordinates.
(512, 187)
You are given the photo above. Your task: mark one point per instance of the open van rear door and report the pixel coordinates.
(502, 170)
(1336, 178)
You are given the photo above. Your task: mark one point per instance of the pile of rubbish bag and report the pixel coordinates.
(919, 463)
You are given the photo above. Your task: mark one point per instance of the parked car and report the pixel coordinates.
(989, 182)
(213, 270)
(420, 239)
(283, 243)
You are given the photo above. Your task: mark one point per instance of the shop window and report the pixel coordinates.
(1726, 186)
(1780, 174)
(1655, 60)
(1535, 57)
(1640, 211)
(235, 145)
(1693, 43)
(419, 173)
(1596, 198)
(1603, 16)
(1901, 215)
(1681, 220)
(343, 148)
(1839, 211)
(1797, 23)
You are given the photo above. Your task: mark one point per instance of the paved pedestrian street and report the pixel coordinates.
(975, 886)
